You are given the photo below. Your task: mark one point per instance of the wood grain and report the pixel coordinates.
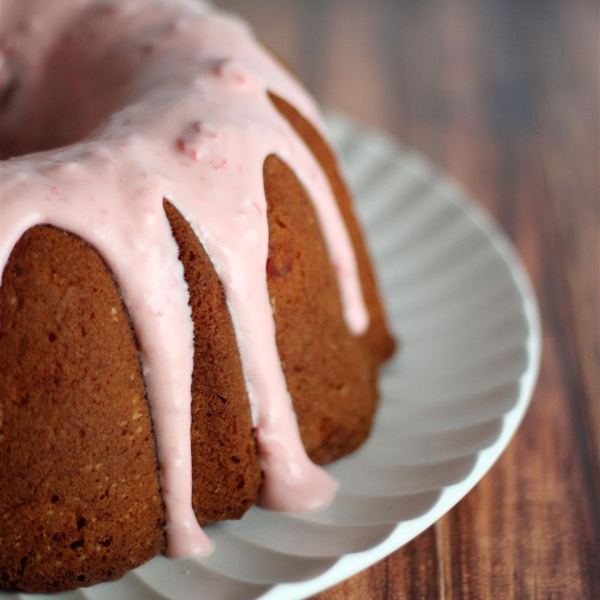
(503, 95)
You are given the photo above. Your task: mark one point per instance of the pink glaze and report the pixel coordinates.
(153, 99)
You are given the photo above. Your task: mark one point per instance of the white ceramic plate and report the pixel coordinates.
(459, 299)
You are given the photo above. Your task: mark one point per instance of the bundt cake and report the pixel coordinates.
(189, 322)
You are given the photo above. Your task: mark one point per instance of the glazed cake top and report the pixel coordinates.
(110, 106)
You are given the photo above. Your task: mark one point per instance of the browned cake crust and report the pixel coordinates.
(80, 500)
(379, 343)
(331, 383)
(331, 374)
(80, 497)
(225, 467)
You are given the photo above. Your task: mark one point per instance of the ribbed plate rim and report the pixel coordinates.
(406, 531)
(350, 564)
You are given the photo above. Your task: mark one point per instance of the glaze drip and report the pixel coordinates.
(168, 99)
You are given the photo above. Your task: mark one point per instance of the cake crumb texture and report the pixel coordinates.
(80, 500)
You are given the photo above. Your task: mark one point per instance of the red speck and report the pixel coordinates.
(219, 164)
(271, 269)
(280, 270)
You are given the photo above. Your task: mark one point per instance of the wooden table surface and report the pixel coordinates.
(504, 96)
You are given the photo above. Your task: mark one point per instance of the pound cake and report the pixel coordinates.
(189, 321)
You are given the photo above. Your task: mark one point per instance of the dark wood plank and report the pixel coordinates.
(505, 96)
(563, 62)
(411, 573)
(531, 528)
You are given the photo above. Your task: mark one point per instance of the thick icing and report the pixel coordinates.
(167, 99)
